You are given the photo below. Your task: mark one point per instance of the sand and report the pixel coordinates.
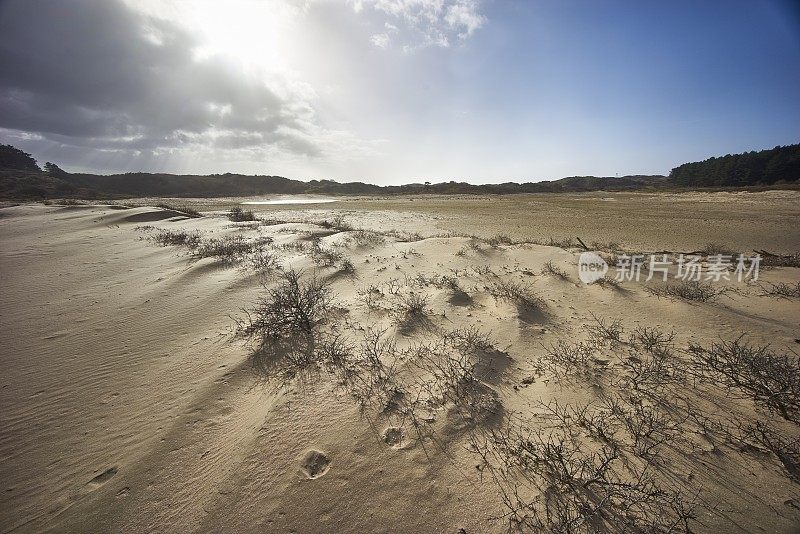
(128, 405)
(640, 221)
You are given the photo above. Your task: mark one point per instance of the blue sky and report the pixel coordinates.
(393, 91)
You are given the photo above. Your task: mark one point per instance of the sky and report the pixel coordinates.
(397, 91)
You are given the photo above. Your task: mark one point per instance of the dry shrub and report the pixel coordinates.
(295, 306)
(786, 449)
(781, 290)
(606, 330)
(325, 257)
(284, 326)
(770, 379)
(611, 246)
(565, 243)
(606, 283)
(549, 268)
(331, 257)
(648, 426)
(470, 340)
(337, 222)
(404, 237)
(364, 238)
(778, 260)
(262, 261)
(517, 293)
(716, 249)
(570, 359)
(182, 238)
(411, 310)
(648, 372)
(412, 385)
(552, 480)
(499, 239)
(237, 214)
(689, 290)
(651, 339)
(229, 250)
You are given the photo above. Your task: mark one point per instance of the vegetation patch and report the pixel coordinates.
(184, 210)
(237, 214)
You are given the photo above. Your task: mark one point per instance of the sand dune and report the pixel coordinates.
(129, 405)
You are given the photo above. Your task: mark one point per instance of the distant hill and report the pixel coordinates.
(21, 177)
(142, 184)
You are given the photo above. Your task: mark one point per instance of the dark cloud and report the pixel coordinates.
(96, 74)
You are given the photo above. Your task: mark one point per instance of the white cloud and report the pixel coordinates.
(381, 40)
(428, 22)
(464, 17)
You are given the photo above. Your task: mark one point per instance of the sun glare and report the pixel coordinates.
(258, 34)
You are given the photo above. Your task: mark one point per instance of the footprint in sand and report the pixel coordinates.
(393, 436)
(102, 478)
(315, 464)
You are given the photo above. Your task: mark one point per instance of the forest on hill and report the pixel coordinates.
(766, 167)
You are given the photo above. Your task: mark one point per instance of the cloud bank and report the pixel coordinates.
(98, 75)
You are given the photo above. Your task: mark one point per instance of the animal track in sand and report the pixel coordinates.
(315, 464)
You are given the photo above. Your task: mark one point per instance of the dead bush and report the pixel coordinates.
(294, 306)
(651, 339)
(781, 290)
(181, 238)
(691, 290)
(551, 481)
(325, 257)
(470, 339)
(337, 222)
(564, 359)
(228, 250)
(786, 449)
(649, 426)
(262, 261)
(411, 310)
(648, 372)
(364, 238)
(606, 329)
(549, 268)
(606, 283)
(237, 214)
(498, 240)
(517, 293)
(779, 260)
(770, 379)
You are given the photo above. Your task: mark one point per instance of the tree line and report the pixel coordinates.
(766, 167)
